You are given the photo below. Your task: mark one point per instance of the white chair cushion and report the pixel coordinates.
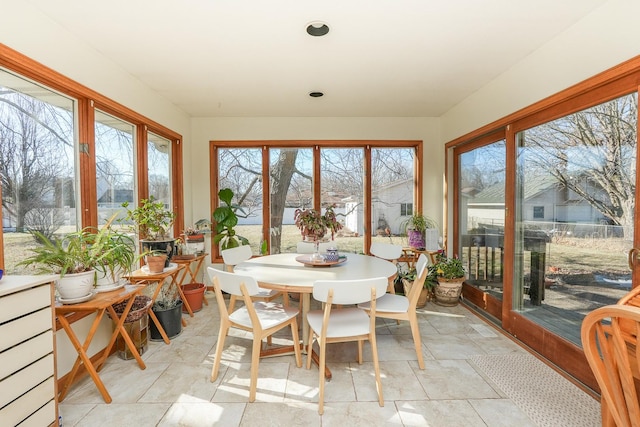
(343, 322)
(389, 303)
(269, 313)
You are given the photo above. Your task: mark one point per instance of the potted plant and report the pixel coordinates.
(155, 261)
(69, 257)
(415, 227)
(407, 277)
(194, 241)
(225, 219)
(152, 224)
(313, 226)
(112, 254)
(450, 275)
(168, 310)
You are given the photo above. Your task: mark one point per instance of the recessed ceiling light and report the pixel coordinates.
(317, 29)
(316, 94)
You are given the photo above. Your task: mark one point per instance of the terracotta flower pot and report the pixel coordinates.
(194, 294)
(156, 263)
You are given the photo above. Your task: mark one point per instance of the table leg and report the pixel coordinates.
(184, 300)
(83, 358)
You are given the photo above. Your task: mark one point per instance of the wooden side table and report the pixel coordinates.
(141, 277)
(192, 265)
(410, 255)
(100, 303)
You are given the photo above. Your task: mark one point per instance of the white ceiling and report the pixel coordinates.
(224, 58)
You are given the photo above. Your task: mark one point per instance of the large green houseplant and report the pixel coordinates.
(225, 218)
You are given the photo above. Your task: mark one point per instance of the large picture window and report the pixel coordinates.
(69, 157)
(343, 171)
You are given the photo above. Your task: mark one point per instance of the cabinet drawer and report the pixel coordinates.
(18, 330)
(25, 405)
(26, 301)
(45, 416)
(19, 356)
(22, 381)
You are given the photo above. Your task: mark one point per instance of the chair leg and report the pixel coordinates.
(255, 360)
(232, 303)
(321, 381)
(296, 342)
(222, 334)
(376, 366)
(360, 343)
(309, 348)
(415, 331)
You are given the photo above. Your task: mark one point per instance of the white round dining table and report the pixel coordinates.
(283, 273)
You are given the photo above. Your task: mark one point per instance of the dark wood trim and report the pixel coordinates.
(564, 354)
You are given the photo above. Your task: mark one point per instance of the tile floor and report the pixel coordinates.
(175, 390)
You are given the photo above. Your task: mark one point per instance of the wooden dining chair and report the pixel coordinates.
(332, 325)
(234, 256)
(390, 252)
(400, 307)
(262, 319)
(613, 352)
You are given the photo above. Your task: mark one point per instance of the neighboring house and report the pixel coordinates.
(392, 203)
(545, 200)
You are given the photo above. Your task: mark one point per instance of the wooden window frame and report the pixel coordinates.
(366, 145)
(88, 100)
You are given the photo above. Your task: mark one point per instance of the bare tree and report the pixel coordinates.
(35, 145)
(592, 153)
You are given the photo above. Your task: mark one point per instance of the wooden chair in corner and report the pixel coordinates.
(332, 325)
(260, 318)
(612, 349)
(400, 307)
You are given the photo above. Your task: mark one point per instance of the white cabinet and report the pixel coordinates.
(27, 355)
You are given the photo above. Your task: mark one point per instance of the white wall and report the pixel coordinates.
(603, 39)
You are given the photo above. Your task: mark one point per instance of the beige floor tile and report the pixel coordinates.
(431, 413)
(501, 413)
(363, 414)
(123, 415)
(182, 381)
(203, 414)
(271, 386)
(454, 379)
(290, 414)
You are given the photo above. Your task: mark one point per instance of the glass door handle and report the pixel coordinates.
(633, 255)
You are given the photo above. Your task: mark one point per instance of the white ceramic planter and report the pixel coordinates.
(77, 285)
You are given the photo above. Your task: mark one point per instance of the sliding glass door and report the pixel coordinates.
(575, 199)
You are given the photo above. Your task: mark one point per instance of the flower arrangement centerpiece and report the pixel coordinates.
(313, 225)
(450, 275)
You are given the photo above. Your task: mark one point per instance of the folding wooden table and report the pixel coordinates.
(100, 303)
(143, 277)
